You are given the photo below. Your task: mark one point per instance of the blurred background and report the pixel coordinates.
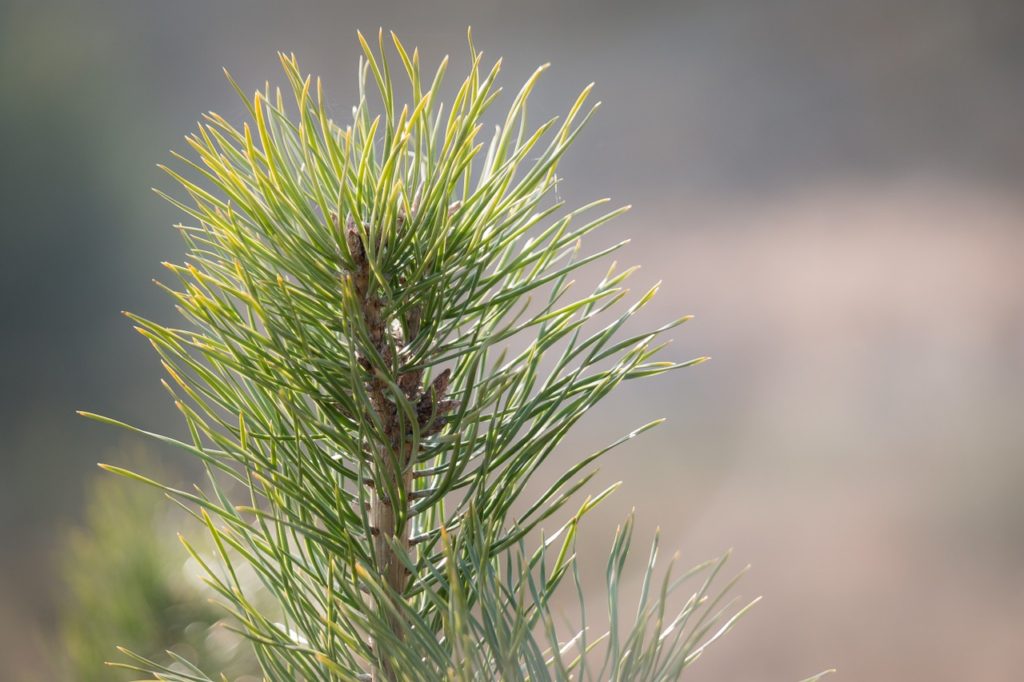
(833, 188)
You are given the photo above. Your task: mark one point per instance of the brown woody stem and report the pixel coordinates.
(389, 530)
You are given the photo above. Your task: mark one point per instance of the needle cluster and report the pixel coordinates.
(382, 345)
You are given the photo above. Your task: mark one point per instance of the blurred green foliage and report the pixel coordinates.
(128, 584)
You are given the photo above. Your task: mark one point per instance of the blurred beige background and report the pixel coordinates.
(833, 188)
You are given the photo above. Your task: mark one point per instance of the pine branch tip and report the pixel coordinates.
(351, 369)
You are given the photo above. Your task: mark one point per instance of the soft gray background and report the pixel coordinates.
(833, 188)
